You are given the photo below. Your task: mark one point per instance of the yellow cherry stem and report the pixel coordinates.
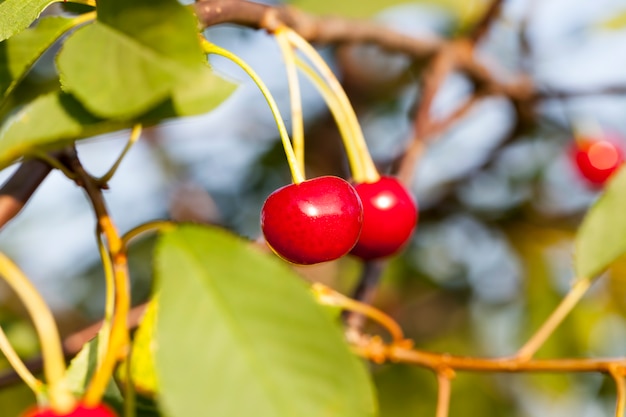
(153, 226)
(297, 123)
(336, 110)
(61, 399)
(18, 366)
(109, 307)
(296, 173)
(369, 173)
(134, 136)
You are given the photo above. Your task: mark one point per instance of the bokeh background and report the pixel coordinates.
(492, 254)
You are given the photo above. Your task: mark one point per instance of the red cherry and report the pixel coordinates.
(81, 410)
(597, 159)
(315, 221)
(389, 218)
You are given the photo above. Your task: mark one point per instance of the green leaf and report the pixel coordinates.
(133, 59)
(19, 53)
(81, 369)
(239, 334)
(601, 238)
(17, 15)
(48, 122)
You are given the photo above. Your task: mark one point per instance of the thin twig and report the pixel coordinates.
(481, 29)
(558, 315)
(444, 385)
(617, 373)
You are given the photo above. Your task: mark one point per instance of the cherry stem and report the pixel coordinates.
(296, 173)
(330, 297)
(370, 173)
(617, 373)
(18, 365)
(153, 226)
(134, 136)
(297, 123)
(345, 129)
(444, 384)
(119, 338)
(537, 340)
(61, 398)
(109, 307)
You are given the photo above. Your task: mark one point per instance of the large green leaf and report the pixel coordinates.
(601, 238)
(50, 121)
(138, 53)
(16, 15)
(19, 53)
(239, 335)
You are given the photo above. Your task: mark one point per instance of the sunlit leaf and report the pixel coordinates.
(50, 121)
(142, 355)
(601, 238)
(132, 59)
(17, 15)
(19, 53)
(239, 334)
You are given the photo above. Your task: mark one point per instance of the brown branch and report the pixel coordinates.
(17, 190)
(321, 30)
(481, 29)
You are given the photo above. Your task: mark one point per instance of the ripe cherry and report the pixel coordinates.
(81, 410)
(389, 218)
(314, 221)
(597, 159)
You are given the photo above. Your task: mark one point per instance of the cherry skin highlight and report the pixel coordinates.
(597, 160)
(80, 411)
(315, 221)
(389, 218)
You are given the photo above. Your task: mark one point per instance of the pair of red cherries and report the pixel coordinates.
(325, 218)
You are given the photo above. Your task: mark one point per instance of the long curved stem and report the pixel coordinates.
(297, 124)
(18, 366)
(345, 129)
(109, 306)
(296, 174)
(61, 398)
(153, 226)
(370, 173)
(134, 136)
(558, 315)
(119, 339)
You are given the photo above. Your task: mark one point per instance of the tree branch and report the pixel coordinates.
(17, 190)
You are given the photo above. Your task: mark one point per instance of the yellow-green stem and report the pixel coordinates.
(61, 398)
(328, 296)
(134, 136)
(153, 226)
(296, 174)
(297, 123)
(109, 306)
(370, 173)
(18, 366)
(339, 115)
(554, 320)
(119, 338)
(620, 387)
